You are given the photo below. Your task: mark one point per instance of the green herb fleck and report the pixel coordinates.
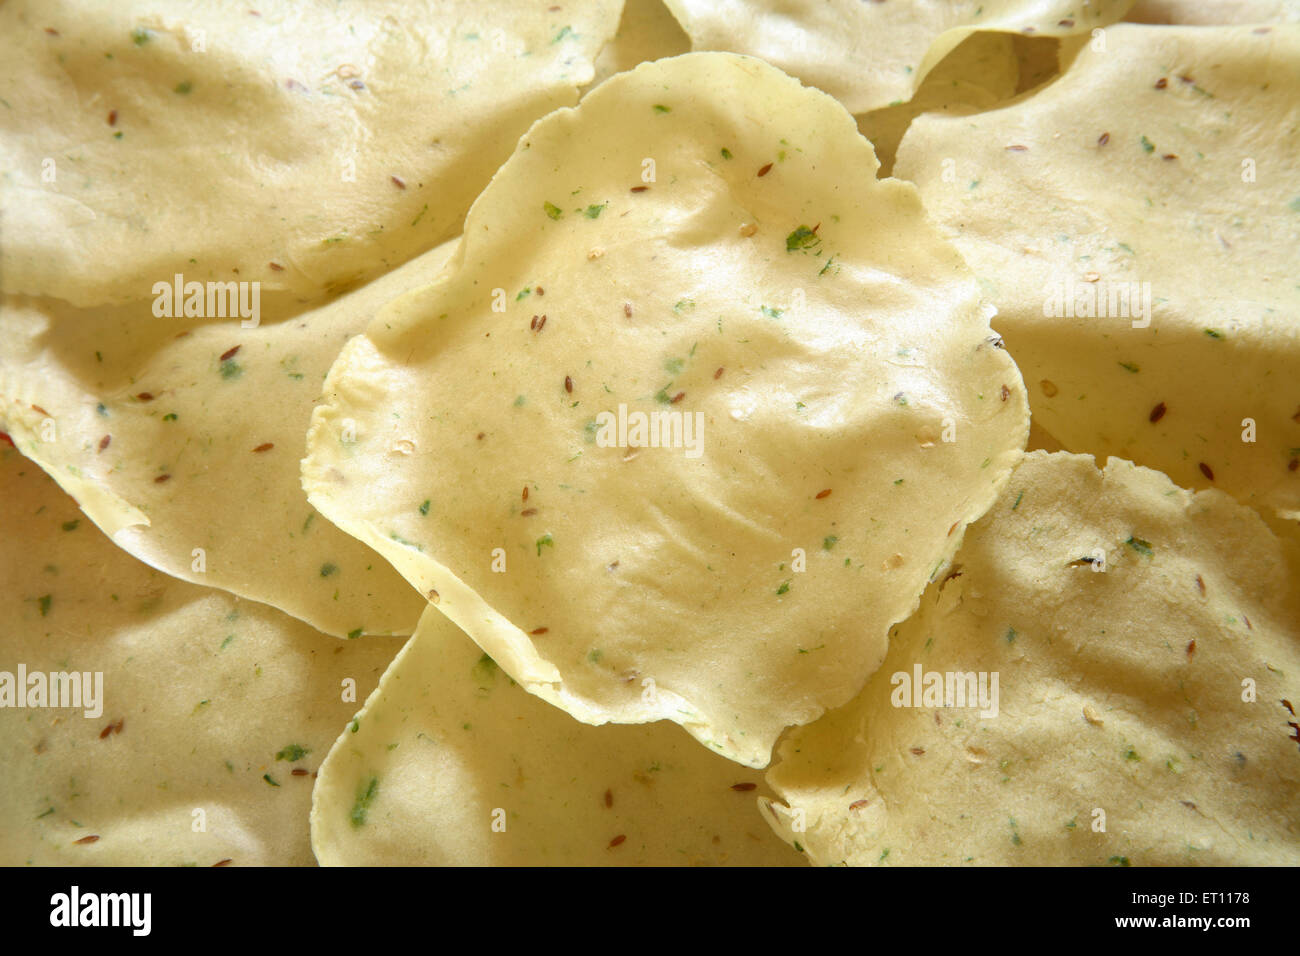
(1011, 635)
(141, 36)
(183, 87)
(1129, 366)
(327, 569)
(726, 154)
(354, 634)
(673, 366)
(552, 210)
(230, 369)
(593, 212)
(522, 293)
(783, 588)
(44, 603)
(267, 777)
(660, 108)
(1147, 145)
(1119, 861)
(293, 753)
(770, 312)
(169, 417)
(71, 525)
(365, 797)
(1214, 333)
(828, 542)
(1140, 546)
(801, 238)
(424, 507)
(545, 541)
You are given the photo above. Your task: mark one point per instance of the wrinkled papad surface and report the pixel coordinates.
(646, 31)
(1157, 182)
(1159, 691)
(451, 763)
(980, 73)
(302, 145)
(873, 55)
(182, 442)
(1213, 12)
(849, 409)
(209, 703)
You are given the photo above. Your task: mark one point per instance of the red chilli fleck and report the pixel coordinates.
(265, 446)
(765, 170)
(397, 181)
(639, 189)
(145, 396)
(4, 436)
(1158, 413)
(528, 512)
(1006, 393)
(1103, 139)
(275, 267)
(617, 841)
(858, 804)
(677, 398)
(37, 408)
(568, 384)
(51, 31)
(1017, 148)
(609, 798)
(627, 309)
(1200, 585)
(160, 479)
(1169, 156)
(1293, 464)
(539, 291)
(917, 751)
(89, 839)
(825, 492)
(1287, 704)
(541, 324)
(230, 353)
(103, 442)
(1065, 23)
(1206, 471)
(718, 373)
(744, 787)
(112, 117)
(538, 630)
(1191, 649)
(525, 492)
(1162, 83)
(299, 772)
(227, 861)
